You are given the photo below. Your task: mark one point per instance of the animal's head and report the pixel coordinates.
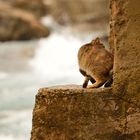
(96, 41)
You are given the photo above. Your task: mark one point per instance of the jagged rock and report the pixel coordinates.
(16, 24)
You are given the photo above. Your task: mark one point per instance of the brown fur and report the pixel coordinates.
(95, 63)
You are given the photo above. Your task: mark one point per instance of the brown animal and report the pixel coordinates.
(95, 63)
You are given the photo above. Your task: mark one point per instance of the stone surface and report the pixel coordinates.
(125, 40)
(16, 24)
(74, 113)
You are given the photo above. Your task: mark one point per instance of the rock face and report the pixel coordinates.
(17, 24)
(125, 41)
(73, 113)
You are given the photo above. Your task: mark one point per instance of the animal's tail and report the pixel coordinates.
(109, 82)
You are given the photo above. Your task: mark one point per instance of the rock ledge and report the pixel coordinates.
(73, 113)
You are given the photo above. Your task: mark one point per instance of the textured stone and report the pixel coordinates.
(125, 40)
(74, 113)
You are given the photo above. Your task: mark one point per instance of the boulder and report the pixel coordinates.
(17, 24)
(36, 7)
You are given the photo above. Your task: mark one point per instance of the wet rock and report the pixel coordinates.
(17, 24)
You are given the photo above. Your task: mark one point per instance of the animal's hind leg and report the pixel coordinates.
(109, 82)
(83, 72)
(92, 80)
(87, 78)
(100, 80)
(86, 81)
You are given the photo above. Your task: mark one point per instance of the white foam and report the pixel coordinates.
(57, 56)
(6, 138)
(9, 137)
(3, 75)
(17, 123)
